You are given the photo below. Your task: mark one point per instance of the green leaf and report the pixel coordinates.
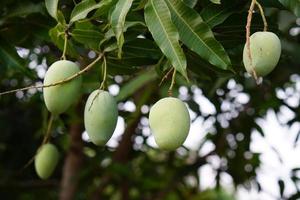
(190, 3)
(132, 61)
(165, 34)
(10, 58)
(203, 69)
(104, 7)
(22, 10)
(215, 14)
(118, 21)
(142, 48)
(90, 38)
(196, 34)
(51, 6)
(231, 33)
(272, 3)
(136, 83)
(57, 36)
(61, 18)
(110, 33)
(216, 1)
(128, 65)
(111, 47)
(293, 5)
(82, 9)
(140, 5)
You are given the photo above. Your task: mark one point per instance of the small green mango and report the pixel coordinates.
(100, 116)
(46, 160)
(60, 97)
(265, 50)
(169, 121)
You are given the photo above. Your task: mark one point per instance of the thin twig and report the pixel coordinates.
(166, 76)
(28, 163)
(63, 57)
(170, 91)
(104, 69)
(248, 26)
(104, 65)
(47, 136)
(261, 10)
(93, 100)
(59, 82)
(45, 140)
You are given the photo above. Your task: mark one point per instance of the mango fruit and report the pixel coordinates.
(46, 160)
(100, 116)
(265, 48)
(169, 121)
(60, 97)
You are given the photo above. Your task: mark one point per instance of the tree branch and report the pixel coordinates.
(248, 26)
(73, 162)
(87, 68)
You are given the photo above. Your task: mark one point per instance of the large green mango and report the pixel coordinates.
(265, 50)
(60, 97)
(46, 160)
(169, 121)
(100, 116)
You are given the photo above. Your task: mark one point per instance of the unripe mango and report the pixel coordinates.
(60, 97)
(100, 116)
(169, 121)
(265, 48)
(46, 160)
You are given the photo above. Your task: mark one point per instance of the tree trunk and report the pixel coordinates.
(122, 153)
(72, 163)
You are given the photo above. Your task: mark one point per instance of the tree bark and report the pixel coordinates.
(122, 152)
(121, 155)
(72, 163)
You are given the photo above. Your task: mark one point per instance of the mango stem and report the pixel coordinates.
(248, 27)
(45, 140)
(47, 136)
(261, 10)
(170, 91)
(165, 76)
(63, 57)
(104, 69)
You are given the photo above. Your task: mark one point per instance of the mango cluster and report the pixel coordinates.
(169, 118)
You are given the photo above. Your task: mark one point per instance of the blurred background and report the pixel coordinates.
(244, 138)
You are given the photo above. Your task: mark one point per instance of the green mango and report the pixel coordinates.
(46, 160)
(169, 121)
(60, 97)
(100, 116)
(265, 50)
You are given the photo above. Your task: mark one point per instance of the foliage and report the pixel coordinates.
(142, 40)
